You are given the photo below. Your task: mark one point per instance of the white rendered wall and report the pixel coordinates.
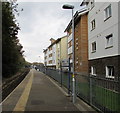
(54, 54)
(103, 28)
(119, 28)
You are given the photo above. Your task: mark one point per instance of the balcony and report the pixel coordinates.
(70, 50)
(69, 38)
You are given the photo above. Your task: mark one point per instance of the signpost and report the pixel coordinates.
(66, 63)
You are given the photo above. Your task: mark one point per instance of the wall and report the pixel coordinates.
(54, 54)
(81, 45)
(101, 63)
(63, 48)
(103, 29)
(58, 55)
(119, 28)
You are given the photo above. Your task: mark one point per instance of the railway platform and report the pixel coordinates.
(37, 92)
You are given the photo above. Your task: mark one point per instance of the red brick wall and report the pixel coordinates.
(81, 45)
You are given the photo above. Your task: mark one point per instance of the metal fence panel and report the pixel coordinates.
(82, 87)
(105, 94)
(101, 93)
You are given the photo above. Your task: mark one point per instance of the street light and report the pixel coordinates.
(67, 6)
(39, 63)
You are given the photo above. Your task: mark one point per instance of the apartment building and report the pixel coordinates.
(61, 51)
(55, 53)
(103, 38)
(69, 45)
(50, 55)
(80, 41)
(58, 53)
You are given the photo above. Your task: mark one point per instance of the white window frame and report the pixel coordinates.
(76, 48)
(93, 24)
(111, 75)
(77, 62)
(93, 50)
(107, 12)
(93, 70)
(109, 41)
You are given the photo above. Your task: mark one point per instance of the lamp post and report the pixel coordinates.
(73, 77)
(39, 63)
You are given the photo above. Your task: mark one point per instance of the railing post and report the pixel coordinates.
(118, 93)
(46, 70)
(69, 78)
(90, 78)
(61, 72)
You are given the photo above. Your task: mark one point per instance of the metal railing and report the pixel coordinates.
(101, 93)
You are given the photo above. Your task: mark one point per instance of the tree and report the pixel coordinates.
(12, 53)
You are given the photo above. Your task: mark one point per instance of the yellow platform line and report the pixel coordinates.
(21, 104)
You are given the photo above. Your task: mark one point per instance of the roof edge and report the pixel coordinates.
(76, 15)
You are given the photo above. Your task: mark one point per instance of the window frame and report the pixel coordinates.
(93, 70)
(107, 71)
(93, 51)
(108, 40)
(93, 24)
(108, 10)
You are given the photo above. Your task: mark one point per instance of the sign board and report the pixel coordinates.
(65, 63)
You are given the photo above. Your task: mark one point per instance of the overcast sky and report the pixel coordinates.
(40, 21)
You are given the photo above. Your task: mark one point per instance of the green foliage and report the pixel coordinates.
(12, 54)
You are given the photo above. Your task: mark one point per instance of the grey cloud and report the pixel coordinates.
(39, 22)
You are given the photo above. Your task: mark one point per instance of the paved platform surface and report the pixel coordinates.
(37, 92)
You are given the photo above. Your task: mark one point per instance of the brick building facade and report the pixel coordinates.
(81, 43)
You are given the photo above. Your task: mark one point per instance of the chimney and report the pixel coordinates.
(52, 40)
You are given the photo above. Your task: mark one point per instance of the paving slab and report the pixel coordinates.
(38, 93)
(45, 96)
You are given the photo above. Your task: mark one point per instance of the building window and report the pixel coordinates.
(76, 62)
(93, 70)
(107, 12)
(93, 47)
(109, 41)
(76, 39)
(50, 55)
(92, 24)
(110, 71)
(69, 44)
(76, 43)
(50, 62)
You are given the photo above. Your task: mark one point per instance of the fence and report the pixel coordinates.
(101, 93)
